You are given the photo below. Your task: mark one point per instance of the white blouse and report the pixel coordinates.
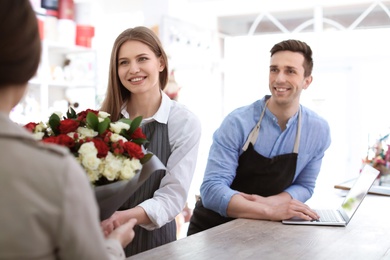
(184, 130)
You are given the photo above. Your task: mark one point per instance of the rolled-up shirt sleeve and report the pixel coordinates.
(184, 129)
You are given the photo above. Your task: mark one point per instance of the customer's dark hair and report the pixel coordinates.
(296, 46)
(20, 44)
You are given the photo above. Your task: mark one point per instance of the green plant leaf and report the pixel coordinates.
(125, 120)
(71, 113)
(54, 122)
(92, 121)
(140, 141)
(146, 158)
(104, 125)
(125, 134)
(135, 124)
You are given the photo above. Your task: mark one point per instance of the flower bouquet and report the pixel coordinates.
(111, 153)
(378, 156)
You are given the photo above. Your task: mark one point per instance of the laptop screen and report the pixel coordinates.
(359, 190)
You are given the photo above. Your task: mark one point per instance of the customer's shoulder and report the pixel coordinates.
(52, 155)
(55, 150)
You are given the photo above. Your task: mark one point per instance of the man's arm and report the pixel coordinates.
(277, 207)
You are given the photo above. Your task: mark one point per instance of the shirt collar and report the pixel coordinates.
(160, 116)
(290, 121)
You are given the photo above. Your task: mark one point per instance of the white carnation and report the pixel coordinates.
(130, 167)
(112, 166)
(38, 135)
(93, 175)
(115, 138)
(103, 114)
(90, 162)
(86, 132)
(118, 126)
(40, 127)
(88, 156)
(88, 148)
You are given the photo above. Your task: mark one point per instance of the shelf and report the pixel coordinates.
(66, 74)
(64, 48)
(63, 84)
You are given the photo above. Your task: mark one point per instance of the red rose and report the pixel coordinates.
(62, 139)
(68, 125)
(102, 148)
(65, 140)
(137, 134)
(134, 150)
(83, 114)
(50, 139)
(31, 126)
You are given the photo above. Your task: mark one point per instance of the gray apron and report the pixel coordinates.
(157, 134)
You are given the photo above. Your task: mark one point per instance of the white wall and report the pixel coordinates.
(350, 89)
(350, 72)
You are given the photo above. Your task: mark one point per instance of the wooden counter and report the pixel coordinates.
(367, 236)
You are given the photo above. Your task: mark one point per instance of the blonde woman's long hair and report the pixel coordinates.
(117, 94)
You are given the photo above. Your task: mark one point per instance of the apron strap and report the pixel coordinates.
(255, 131)
(298, 136)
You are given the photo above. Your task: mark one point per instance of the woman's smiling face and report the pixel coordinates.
(138, 67)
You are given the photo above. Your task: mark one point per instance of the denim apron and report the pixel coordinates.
(255, 174)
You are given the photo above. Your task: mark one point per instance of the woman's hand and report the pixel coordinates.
(124, 233)
(113, 222)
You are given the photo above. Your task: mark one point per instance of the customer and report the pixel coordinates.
(265, 157)
(48, 210)
(138, 73)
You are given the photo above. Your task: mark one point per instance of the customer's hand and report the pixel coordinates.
(124, 233)
(110, 224)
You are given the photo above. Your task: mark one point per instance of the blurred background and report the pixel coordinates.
(219, 58)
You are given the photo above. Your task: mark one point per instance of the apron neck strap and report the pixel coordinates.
(255, 131)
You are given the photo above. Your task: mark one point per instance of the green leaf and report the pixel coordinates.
(135, 124)
(54, 122)
(103, 126)
(125, 120)
(125, 134)
(71, 113)
(92, 121)
(146, 158)
(140, 141)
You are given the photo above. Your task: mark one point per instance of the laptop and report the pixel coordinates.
(353, 199)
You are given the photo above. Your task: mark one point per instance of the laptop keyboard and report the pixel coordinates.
(327, 216)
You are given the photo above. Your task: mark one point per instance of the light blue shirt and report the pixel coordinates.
(231, 136)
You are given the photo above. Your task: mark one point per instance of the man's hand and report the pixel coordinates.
(292, 208)
(276, 208)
